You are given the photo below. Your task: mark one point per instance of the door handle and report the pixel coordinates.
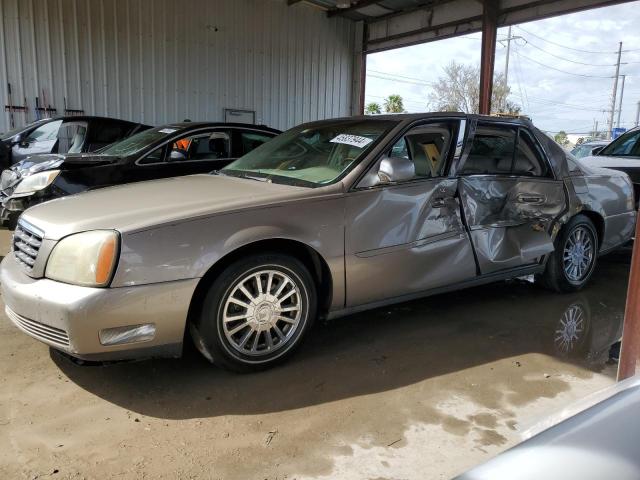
(439, 202)
(531, 199)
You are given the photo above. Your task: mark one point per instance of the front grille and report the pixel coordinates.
(39, 330)
(26, 244)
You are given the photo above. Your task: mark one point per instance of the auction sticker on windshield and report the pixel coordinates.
(354, 140)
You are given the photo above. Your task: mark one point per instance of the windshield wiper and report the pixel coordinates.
(258, 179)
(245, 174)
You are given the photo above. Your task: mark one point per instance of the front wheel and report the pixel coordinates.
(574, 259)
(257, 312)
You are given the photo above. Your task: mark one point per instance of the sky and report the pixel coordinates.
(560, 69)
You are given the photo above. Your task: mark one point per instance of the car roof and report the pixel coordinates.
(251, 126)
(89, 117)
(412, 117)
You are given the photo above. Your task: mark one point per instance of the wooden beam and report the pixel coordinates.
(630, 353)
(488, 53)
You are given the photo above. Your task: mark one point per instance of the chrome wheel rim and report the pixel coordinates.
(578, 254)
(570, 329)
(262, 313)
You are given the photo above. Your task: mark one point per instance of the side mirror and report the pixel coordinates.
(597, 150)
(177, 155)
(395, 169)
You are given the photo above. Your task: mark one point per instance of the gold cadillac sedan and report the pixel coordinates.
(329, 218)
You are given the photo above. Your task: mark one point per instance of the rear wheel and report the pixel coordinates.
(574, 259)
(257, 312)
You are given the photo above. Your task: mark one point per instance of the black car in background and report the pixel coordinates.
(168, 151)
(622, 154)
(74, 134)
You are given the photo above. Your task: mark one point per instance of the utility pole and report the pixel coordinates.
(597, 133)
(615, 91)
(638, 115)
(621, 97)
(506, 62)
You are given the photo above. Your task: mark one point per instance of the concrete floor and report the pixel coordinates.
(422, 390)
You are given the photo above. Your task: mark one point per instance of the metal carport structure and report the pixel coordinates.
(400, 23)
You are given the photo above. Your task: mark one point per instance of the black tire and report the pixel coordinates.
(555, 275)
(223, 345)
(12, 221)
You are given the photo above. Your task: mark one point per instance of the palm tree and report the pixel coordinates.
(394, 104)
(372, 108)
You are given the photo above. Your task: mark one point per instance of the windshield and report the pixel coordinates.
(138, 142)
(628, 145)
(311, 156)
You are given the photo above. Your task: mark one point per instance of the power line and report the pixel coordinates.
(565, 46)
(397, 75)
(565, 105)
(559, 70)
(568, 59)
(401, 80)
(406, 99)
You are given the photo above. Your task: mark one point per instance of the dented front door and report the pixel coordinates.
(510, 210)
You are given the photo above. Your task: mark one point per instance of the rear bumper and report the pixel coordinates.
(70, 318)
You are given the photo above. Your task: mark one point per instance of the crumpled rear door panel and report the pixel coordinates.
(510, 218)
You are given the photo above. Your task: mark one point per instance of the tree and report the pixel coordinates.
(561, 138)
(372, 108)
(458, 90)
(394, 104)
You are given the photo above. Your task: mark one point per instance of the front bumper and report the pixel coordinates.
(12, 207)
(70, 317)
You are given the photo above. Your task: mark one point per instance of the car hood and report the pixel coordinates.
(144, 205)
(604, 161)
(39, 163)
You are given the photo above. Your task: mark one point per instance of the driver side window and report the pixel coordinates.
(427, 147)
(202, 146)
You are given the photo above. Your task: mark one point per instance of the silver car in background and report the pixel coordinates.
(594, 439)
(328, 218)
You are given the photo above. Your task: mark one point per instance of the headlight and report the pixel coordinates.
(36, 182)
(86, 259)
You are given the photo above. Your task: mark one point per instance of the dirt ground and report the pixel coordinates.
(422, 390)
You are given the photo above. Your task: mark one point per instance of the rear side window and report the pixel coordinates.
(492, 151)
(505, 150)
(109, 132)
(252, 140)
(71, 137)
(529, 160)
